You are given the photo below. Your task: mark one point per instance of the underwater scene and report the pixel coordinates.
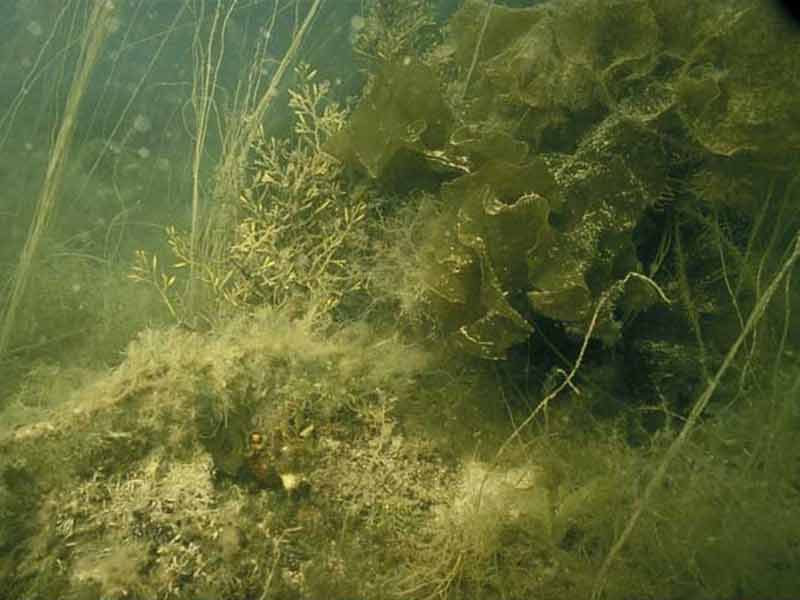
(399, 300)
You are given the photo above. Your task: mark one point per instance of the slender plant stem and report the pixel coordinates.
(95, 33)
(478, 47)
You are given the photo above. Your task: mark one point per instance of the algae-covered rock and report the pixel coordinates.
(147, 484)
